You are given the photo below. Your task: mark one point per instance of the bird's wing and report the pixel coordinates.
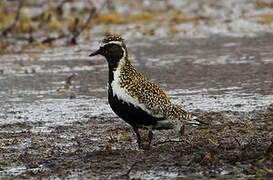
(154, 101)
(151, 96)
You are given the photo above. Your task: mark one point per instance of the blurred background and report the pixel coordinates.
(69, 22)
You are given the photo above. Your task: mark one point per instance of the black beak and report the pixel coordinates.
(95, 53)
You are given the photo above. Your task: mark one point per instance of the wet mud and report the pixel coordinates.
(55, 121)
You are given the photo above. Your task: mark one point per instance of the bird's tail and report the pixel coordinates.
(195, 120)
(188, 117)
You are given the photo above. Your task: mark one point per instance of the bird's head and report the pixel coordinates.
(112, 48)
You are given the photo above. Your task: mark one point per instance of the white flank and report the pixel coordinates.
(121, 93)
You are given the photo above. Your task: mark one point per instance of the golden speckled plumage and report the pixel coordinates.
(149, 94)
(112, 37)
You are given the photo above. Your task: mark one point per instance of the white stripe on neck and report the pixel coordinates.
(122, 94)
(112, 42)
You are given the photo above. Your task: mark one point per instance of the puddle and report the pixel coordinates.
(56, 111)
(15, 170)
(229, 99)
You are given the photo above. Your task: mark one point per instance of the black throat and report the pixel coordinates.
(112, 66)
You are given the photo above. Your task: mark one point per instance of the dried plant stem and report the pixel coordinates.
(15, 20)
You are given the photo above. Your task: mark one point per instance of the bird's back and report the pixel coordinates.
(148, 95)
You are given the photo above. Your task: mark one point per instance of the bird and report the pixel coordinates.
(138, 101)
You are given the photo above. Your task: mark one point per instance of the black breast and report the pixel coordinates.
(133, 115)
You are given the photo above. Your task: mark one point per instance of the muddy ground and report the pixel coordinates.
(58, 125)
(214, 58)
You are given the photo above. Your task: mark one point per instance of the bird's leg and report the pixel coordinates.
(150, 137)
(182, 130)
(138, 137)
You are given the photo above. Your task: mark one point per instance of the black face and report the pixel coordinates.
(110, 51)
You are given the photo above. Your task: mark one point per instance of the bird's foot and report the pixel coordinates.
(144, 147)
(150, 137)
(145, 143)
